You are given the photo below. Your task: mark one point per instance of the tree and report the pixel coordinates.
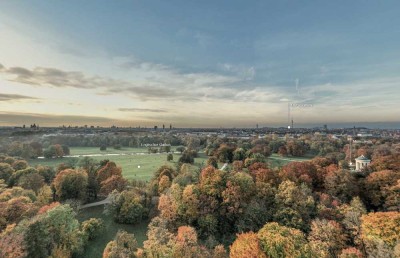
(71, 184)
(225, 153)
(92, 228)
(115, 182)
(159, 241)
(6, 171)
(246, 245)
(190, 203)
(65, 150)
(352, 219)
(47, 173)
(55, 231)
(239, 154)
(181, 149)
(380, 230)
(20, 165)
(326, 238)
(239, 189)
(186, 157)
(12, 243)
(301, 172)
(127, 207)
(280, 241)
(351, 252)
(185, 244)
(295, 205)
(107, 171)
(170, 157)
(212, 161)
(33, 181)
(37, 148)
(376, 184)
(342, 184)
(124, 245)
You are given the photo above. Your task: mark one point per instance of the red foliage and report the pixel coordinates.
(45, 208)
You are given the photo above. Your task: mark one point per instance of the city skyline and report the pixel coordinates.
(207, 64)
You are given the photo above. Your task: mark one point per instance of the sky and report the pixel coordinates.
(199, 63)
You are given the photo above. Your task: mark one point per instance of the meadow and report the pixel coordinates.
(96, 246)
(136, 163)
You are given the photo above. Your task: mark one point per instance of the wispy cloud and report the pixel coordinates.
(15, 97)
(142, 110)
(155, 82)
(12, 118)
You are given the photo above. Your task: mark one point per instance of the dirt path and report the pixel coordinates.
(105, 201)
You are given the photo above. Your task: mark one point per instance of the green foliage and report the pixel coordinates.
(212, 161)
(47, 232)
(127, 207)
(124, 245)
(295, 206)
(279, 241)
(71, 184)
(92, 228)
(6, 171)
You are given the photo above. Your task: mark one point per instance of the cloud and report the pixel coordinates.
(13, 118)
(142, 110)
(11, 97)
(41, 76)
(241, 71)
(158, 82)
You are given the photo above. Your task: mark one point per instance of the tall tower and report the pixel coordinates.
(288, 118)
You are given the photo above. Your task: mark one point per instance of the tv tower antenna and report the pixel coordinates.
(288, 118)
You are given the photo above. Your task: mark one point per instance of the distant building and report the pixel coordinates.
(362, 162)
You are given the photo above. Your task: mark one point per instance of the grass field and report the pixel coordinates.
(110, 150)
(127, 158)
(95, 248)
(277, 161)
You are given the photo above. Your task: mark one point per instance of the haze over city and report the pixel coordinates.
(203, 64)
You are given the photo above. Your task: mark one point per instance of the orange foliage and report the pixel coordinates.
(109, 170)
(246, 245)
(381, 225)
(351, 252)
(45, 208)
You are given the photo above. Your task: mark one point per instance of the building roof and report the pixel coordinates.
(362, 157)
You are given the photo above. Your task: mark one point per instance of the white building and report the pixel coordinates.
(362, 162)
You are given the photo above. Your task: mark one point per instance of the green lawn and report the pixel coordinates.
(277, 161)
(95, 248)
(129, 163)
(110, 150)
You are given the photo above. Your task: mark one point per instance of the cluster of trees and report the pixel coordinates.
(49, 231)
(36, 219)
(26, 150)
(315, 208)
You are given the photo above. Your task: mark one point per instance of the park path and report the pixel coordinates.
(93, 204)
(224, 166)
(113, 154)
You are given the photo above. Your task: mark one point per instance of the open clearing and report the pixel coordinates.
(277, 161)
(148, 163)
(130, 158)
(95, 247)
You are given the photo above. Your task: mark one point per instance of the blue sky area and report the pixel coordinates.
(199, 63)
